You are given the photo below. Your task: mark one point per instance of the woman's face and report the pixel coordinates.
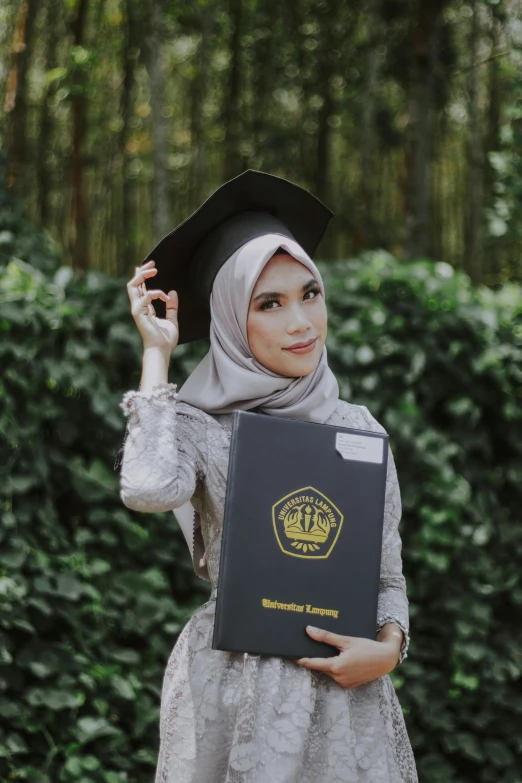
(287, 307)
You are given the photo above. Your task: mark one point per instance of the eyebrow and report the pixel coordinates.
(276, 294)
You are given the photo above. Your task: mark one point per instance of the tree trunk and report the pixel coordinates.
(475, 161)
(15, 104)
(492, 139)
(232, 157)
(328, 56)
(325, 71)
(296, 15)
(43, 173)
(125, 243)
(366, 137)
(162, 219)
(419, 133)
(78, 234)
(263, 77)
(198, 91)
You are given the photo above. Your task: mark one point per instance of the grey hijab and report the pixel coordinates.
(229, 378)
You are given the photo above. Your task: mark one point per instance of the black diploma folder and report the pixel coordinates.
(302, 535)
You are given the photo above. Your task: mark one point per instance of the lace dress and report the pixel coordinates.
(237, 718)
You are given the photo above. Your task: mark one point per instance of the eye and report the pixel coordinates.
(266, 305)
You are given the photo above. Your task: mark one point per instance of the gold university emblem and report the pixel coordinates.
(306, 523)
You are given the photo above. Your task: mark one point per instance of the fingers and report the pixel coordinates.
(335, 639)
(319, 664)
(136, 285)
(146, 299)
(142, 271)
(172, 307)
(141, 297)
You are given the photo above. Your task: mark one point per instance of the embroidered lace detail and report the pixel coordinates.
(230, 718)
(382, 620)
(164, 455)
(161, 391)
(199, 553)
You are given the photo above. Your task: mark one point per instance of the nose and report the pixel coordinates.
(298, 321)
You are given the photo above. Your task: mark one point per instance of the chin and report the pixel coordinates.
(296, 367)
(291, 365)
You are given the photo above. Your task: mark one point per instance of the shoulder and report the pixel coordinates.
(196, 418)
(186, 409)
(349, 414)
(193, 415)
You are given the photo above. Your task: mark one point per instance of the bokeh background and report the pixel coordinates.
(117, 119)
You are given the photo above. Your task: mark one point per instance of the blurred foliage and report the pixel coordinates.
(92, 595)
(503, 216)
(439, 364)
(88, 118)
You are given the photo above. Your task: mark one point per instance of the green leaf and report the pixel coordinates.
(16, 744)
(91, 728)
(68, 586)
(123, 688)
(52, 698)
(498, 753)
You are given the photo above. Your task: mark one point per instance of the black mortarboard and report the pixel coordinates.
(251, 204)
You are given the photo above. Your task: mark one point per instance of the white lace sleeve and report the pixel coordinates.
(163, 454)
(393, 600)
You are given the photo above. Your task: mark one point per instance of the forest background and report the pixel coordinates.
(117, 119)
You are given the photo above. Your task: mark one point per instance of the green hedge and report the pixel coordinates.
(439, 364)
(92, 595)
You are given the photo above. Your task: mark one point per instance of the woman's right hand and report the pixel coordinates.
(162, 333)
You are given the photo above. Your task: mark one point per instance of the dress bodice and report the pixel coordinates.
(175, 453)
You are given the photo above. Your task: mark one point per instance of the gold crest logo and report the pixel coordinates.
(306, 523)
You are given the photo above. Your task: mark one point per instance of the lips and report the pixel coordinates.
(302, 347)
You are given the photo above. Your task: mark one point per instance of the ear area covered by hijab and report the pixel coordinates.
(229, 378)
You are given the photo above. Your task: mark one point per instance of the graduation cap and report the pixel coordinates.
(250, 205)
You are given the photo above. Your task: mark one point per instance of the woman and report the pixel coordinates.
(226, 717)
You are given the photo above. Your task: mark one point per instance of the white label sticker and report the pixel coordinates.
(359, 447)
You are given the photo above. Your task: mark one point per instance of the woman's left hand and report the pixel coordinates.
(359, 660)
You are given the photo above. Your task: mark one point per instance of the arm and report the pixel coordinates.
(393, 600)
(163, 456)
(392, 635)
(161, 461)
(164, 450)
